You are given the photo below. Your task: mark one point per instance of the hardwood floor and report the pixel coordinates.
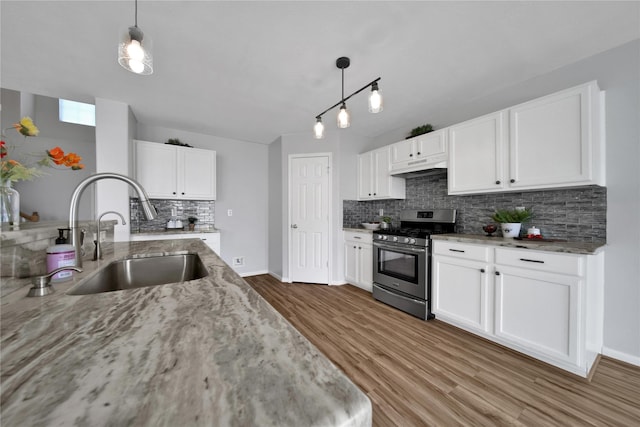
(430, 373)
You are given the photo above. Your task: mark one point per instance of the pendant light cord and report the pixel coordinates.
(136, 14)
(342, 84)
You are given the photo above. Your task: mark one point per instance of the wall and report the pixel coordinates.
(617, 72)
(276, 206)
(50, 194)
(242, 186)
(577, 214)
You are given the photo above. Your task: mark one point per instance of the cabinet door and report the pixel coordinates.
(365, 174)
(155, 169)
(351, 262)
(432, 145)
(197, 174)
(380, 174)
(537, 312)
(460, 293)
(403, 151)
(551, 139)
(477, 155)
(366, 266)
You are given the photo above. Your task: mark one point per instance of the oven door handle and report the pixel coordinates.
(399, 249)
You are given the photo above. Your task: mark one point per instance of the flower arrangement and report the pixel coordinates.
(512, 215)
(12, 170)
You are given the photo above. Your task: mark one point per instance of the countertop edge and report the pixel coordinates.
(577, 248)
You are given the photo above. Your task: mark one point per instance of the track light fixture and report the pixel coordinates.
(344, 118)
(134, 50)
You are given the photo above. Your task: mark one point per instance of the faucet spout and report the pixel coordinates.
(147, 208)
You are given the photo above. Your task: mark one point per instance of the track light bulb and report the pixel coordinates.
(375, 99)
(318, 129)
(344, 118)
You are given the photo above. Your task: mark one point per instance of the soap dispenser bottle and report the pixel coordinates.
(61, 255)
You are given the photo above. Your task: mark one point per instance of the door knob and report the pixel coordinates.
(294, 226)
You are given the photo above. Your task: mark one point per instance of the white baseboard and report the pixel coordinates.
(623, 357)
(253, 273)
(277, 276)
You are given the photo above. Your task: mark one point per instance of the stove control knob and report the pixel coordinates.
(384, 237)
(395, 238)
(379, 236)
(406, 240)
(412, 241)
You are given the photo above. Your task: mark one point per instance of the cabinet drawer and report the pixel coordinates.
(542, 261)
(358, 236)
(461, 250)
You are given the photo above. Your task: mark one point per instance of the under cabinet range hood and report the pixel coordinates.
(421, 170)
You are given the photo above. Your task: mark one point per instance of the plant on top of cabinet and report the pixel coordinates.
(420, 130)
(176, 141)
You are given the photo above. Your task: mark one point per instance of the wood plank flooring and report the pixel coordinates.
(419, 373)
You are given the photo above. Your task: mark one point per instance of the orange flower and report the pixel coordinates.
(3, 150)
(57, 155)
(71, 159)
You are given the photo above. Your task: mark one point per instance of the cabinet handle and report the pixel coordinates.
(512, 180)
(456, 250)
(357, 237)
(482, 270)
(498, 182)
(532, 260)
(497, 273)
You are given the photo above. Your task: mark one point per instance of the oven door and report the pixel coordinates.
(401, 268)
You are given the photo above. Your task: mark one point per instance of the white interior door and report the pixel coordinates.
(309, 219)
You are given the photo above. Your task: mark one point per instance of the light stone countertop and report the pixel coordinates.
(175, 231)
(200, 353)
(359, 230)
(580, 248)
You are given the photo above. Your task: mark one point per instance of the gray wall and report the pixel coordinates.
(242, 185)
(50, 195)
(618, 73)
(276, 213)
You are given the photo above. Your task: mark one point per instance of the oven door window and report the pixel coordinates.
(403, 266)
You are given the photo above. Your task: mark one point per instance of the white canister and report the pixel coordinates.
(533, 231)
(60, 256)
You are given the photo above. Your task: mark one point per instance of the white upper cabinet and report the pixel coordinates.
(174, 172)
(374, 180)
(553, 141)
(477, 153)
(420, 152)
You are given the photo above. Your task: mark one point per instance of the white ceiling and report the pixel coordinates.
(253, 71)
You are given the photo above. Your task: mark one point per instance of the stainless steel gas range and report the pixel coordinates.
(402, 260)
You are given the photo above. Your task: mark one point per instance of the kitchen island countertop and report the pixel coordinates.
(580, 248)
(205, 352)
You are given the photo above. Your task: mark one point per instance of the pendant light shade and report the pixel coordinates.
(375, 99)
(134, 49)
(344, 118)
(318, 129)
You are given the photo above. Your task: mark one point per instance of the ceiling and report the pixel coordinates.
(253, 71)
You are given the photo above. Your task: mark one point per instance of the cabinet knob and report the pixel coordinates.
(375, 194)
(183, 193)
(497, 273)
(174, 192)
(369, 193)
(482, 270)
(418, 153)
(512, 180)
(359, 247)
(354, 247)
(498, 182)
(411, 155)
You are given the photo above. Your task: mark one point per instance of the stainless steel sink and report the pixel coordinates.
(133, 273)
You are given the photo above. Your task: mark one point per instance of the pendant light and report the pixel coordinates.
(375, 99)
(344, 117)
(134, 49)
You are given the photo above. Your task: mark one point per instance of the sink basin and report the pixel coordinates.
(133, 273)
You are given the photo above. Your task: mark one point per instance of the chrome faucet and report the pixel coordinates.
(97, 254)
(148, 209)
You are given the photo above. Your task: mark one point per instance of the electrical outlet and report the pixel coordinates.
(238, 261)
(381, 213)
(103, 236)
(230, 212)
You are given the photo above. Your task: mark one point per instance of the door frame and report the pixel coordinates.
(330, 238)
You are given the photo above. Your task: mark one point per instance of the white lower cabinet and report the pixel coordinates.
(358, 259)
(460, 292)
(545, 304)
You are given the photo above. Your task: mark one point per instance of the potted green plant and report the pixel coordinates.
(386, 222)
(511, 220)
(420, 130)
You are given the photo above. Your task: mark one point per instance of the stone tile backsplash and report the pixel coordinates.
(577, 214)
(204, 210)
